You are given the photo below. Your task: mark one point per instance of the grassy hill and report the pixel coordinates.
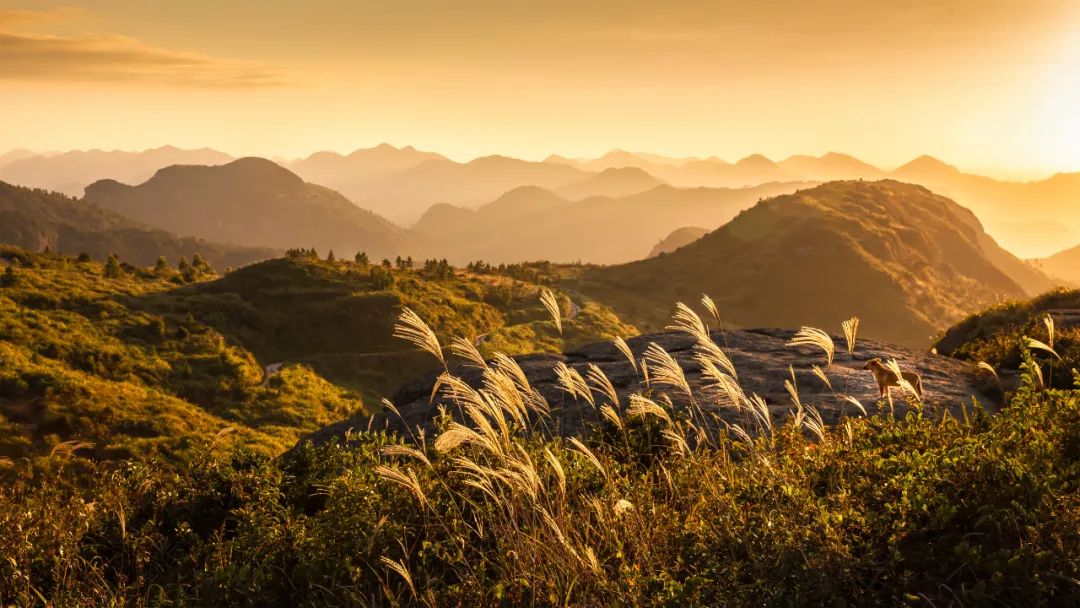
(900, 257)
(252, 202)
(146, 363)
(38, 219)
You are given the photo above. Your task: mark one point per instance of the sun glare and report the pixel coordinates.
(1059, 109)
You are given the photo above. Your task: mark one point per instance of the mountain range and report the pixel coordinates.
(70, 172)
(1032, 219)
(532, 223)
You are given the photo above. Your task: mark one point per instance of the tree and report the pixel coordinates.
(362, 258)
(409, 262)
(386, 263)
(183, 265)
(330, 256)
(162, 266)
(112, 267)
(381, 278)
(84, 257)
(200, 264)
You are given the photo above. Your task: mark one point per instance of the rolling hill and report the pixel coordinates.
(830, 167)
(253, 202)
(534, 224)
(678, 238)
(349, 174)
(405, 195)
(906, 261)
(37, 219)
(1064, 265)
(70, 172)
(613, 183)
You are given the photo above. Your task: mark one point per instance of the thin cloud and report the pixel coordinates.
(120, 59)
(15, 17)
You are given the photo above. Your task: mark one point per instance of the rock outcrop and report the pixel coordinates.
(763, 362)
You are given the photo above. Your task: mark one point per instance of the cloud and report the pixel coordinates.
(14, 17)
(119, 59)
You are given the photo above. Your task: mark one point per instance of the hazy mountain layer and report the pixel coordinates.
(70, 172)
(534, 224)
(1064, 265)
(678, 238)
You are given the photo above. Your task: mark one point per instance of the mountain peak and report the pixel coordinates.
(927, 164)
(755, 160)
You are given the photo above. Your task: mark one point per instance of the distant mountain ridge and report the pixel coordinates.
(906, 261)
(253, 202)
(678, 238)
(1064, 265)
(70, 172)
(1030, 218)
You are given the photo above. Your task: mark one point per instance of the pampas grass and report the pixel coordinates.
(811, 336)
(547, 298)
(851, 330)
(411, 328)
(624, 348)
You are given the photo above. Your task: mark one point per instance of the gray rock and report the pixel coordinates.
(761, 358)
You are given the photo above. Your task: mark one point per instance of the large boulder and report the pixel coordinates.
(763, 361)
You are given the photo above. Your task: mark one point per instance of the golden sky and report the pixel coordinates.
(989, 84)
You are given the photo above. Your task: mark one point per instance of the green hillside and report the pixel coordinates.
(145, 362)
(37, 220)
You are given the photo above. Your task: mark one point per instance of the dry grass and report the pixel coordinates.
(811, 336)
(548, 299)
(851, 331)
(411, 328)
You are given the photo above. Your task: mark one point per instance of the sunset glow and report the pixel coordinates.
(984, 84)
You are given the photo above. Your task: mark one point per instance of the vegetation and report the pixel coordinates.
(146, 363)
(1000, 335)
(37, 219)
(655, 507)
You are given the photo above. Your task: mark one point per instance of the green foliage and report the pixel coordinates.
(999, 335)
(10, 278)
(112, 267)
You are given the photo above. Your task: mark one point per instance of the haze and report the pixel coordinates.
(990, 85)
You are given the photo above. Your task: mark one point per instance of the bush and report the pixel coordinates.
(645, 511)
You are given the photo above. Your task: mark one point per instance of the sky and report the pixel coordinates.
(988, 84)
